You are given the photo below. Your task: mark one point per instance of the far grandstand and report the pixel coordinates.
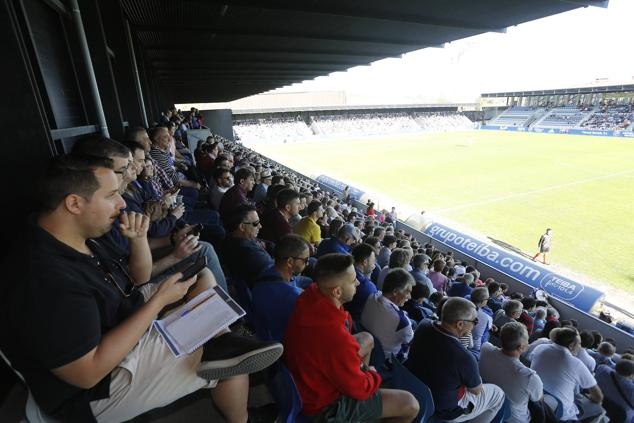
(599, 110)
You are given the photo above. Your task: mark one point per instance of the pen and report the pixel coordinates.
(197, 304)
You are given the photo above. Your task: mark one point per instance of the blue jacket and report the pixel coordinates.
(332, 245)
(273, 301)
(364, 290)
(459, 289)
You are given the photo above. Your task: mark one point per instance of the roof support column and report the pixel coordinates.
(90, 71)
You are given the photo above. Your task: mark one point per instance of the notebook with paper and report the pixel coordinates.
(189, 326)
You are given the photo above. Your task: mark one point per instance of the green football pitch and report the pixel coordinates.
(505, 185)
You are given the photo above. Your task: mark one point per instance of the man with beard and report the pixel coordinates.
(275, 290)
(329, 366)
(77, 320)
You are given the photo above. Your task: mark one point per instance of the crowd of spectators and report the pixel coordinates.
(328, 282)
(350, 124)
(610, 117)
(366, 124)
(277, 129)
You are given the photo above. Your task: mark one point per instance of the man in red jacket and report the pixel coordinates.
(326, 360)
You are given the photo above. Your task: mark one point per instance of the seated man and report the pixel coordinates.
(364, 260)
(562, 372)
(420, 267)
(502, 367)
(347, 235)
(511, 311)
(605, 354)
(77, 325)
(389, 244)
(223, 181)
(439, 359)
(237, 194)
(480, 332)
(170, 249)
(275, 291)
(495, 297)
(275, 222)
(438, 280)
(308, 227)
(243, 254)
(329, 367)
(384, 319)
(617, 384)
(528, 311)
(417, 307)
(461, 288)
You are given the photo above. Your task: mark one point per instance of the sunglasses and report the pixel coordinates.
(256, 223)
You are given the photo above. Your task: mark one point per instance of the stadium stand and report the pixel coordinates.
(562, 117)
(271, 129)
(282, 130)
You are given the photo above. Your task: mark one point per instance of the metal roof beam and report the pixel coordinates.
(257, 62)
(343, 10)
(280, 34)
(204, 49)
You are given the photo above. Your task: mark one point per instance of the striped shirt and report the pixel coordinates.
(163, 161)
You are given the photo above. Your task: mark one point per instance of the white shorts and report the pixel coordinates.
(149, 377)
(485, 406)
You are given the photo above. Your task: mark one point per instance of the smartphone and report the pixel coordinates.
(195, 230)
(194, 269)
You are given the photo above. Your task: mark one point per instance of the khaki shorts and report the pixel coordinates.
(149, 377)
(346, 409)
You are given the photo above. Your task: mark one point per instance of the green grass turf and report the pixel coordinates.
(506, 185)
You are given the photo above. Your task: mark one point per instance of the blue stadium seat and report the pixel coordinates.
(614, 411)
(286, 395)
(504, 413)
(554, 403)
(402, 378)
(243, 296)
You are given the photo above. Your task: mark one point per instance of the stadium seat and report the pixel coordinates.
(243, 296)
(402, 378)
(614, 411)
(554, 403)
(504, 413)
(284, 391)
(32, 411)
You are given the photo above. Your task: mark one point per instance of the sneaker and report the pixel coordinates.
(230, 355)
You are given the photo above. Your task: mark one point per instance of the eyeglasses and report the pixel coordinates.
(474, 321)
(305, 260)
(255, 224)
(105, 264)
(123, 170)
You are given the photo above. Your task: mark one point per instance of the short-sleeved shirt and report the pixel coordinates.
(606, 378)
(478, 332)
(439, 281)
(308, 229)
(420, 277)
(561, 373)
(439, 359)
(386, 321)
(57, 304)
(519, 383)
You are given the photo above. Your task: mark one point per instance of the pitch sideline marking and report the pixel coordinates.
(533, 191)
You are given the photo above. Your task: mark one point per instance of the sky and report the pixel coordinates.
(566, 50)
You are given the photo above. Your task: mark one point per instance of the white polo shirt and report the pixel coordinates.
(586, 359)
(519, 383)
(561, 372)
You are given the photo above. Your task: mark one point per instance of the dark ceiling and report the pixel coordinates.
(208, 50)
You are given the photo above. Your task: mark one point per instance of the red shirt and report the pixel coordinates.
(322, 355)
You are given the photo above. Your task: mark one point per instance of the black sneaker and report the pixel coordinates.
(230, 354)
